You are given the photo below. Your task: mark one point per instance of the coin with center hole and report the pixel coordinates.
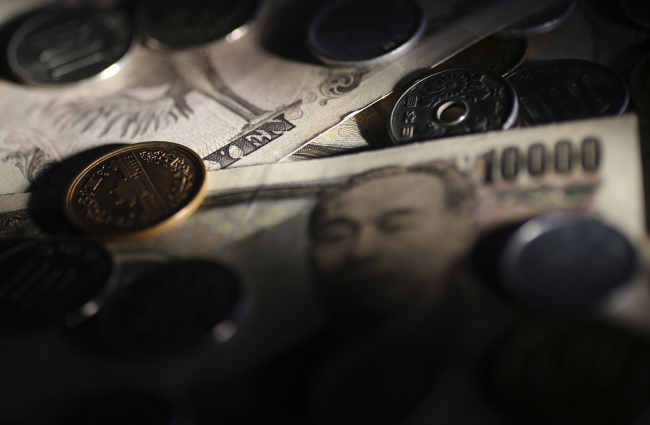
(173, 24)
(453, 102)
(53, 280)
(365, 33)
(136, 191)
(64, 46)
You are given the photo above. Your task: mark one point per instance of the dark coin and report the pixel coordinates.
(565, 263)
(453, 102)
(549, 371)
(372, 384)
(640, 83)
(501, 56)
(123, 408)
(55, 279)
(638, 11)
(172, 307)
(541, 22)
(364, 32)
(70, 45)
(174, 24)
(567, 89)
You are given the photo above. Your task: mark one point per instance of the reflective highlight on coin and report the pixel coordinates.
(546, 20)
(136, 191)
(567, 89)
(554, 263)
(172, 307)
(453, 102)
(174, 24)
(55, 279)
(365, 33)
(65, 46)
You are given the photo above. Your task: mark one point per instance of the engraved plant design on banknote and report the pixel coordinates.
(33, 161)
(338, 84)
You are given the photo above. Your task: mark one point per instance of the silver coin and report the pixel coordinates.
(453, 102)
(544, 21)
(54, 280)
(638, 11)
(173, 24)
(64, 46)
(560, 263)
(364, 33)
(567, 89)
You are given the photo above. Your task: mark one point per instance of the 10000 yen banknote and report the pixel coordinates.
(288, 229)
(252, 101)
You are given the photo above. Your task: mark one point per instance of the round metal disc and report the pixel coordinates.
(55, 279)
(544, 21)
(172, 307)
(555, 263)
(136, 191)
(173, 24)
(640, 83)
(499, 55)
(453, 102)
(638, 11)
(64, 46)
(549, 371)
(567, 89)
(365, 33)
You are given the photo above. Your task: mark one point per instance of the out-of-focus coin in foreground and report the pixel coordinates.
(567, 89)
(64, 46)
(365, 33)
(640, 83)
(544, 21)
(136, 191)
(638, 11)
(453, 102)
(173, 24)
(54, 279)
(499, 55)
(559, 263)
(174, 307)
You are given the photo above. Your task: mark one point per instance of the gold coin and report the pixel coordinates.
(136, 191)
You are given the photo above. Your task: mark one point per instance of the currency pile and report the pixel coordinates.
(347, 212)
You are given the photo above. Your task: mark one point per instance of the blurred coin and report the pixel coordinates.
(549, 371)
(544, 21)
(61, 46)
(638, 11)
(640, 83)
(173, 307)
(567, 89)
(55, 279)
(182, 24)
(499, 55)
(365, 33)
(565, 262)
(136, 191)
(453, 102)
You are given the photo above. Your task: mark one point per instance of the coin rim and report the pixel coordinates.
(156, 228)
(322, 54)
(18, 36)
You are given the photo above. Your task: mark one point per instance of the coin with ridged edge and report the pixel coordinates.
(136, 191)
(75, 45)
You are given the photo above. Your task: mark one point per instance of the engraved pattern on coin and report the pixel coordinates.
(70, 45)
(567, 89)
(365, 33)
(137, 190)
(51, 280)
(177, 24)
(453, 102)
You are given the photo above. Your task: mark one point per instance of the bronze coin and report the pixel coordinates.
(501, 56)
(136, 191)
(640, 83)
